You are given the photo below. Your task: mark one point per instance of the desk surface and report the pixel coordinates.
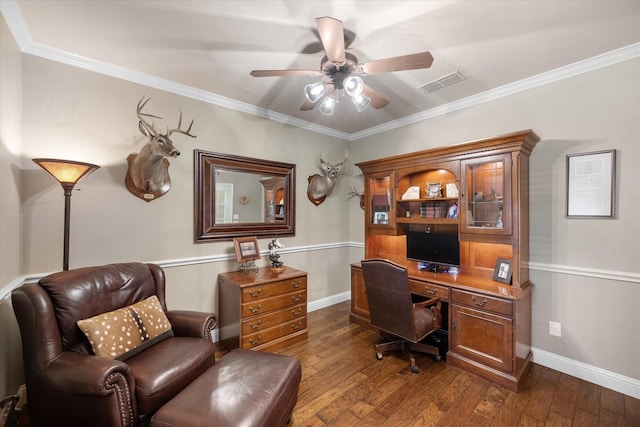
(476, 281)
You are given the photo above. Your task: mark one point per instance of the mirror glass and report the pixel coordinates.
(240, 196)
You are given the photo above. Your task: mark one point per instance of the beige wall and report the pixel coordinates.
(10, 179)
(61, 111)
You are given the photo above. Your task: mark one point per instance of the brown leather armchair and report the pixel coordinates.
(67, 385)
(392, 311)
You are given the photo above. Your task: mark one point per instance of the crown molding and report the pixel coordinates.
(16, 23)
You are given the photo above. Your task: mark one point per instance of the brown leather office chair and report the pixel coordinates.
(67, 385)
(392, 311)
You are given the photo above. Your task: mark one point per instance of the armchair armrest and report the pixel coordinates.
(436, 305)
(192, 323)
(78, 373)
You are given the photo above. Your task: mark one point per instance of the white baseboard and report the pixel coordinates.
(611, 380)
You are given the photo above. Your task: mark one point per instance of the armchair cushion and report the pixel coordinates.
(122, 333)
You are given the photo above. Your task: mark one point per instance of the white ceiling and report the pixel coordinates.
(206, 49)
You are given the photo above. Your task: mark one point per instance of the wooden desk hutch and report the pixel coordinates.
(489, 323)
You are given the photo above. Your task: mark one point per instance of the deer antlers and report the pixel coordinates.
(149, 128)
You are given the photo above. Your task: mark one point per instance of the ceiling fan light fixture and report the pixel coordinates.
(361, 101)
(353, 85)
(328, 105)
(314, 91)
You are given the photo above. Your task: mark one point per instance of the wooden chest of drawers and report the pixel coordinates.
(262, 310)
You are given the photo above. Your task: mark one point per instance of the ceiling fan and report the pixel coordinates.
(344, 71)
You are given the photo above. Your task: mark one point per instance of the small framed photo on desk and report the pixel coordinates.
(503, 270)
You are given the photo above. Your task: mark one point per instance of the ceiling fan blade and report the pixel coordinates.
(332, 37)
(377, 101)
(282, 73)
(307, 106)
(397, 63)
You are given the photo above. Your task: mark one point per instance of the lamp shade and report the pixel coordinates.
(361, 101)
(328, 105)
(314, 91)
(353, 85)
(66, 171)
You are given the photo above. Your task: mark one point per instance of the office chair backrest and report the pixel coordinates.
(390, 307)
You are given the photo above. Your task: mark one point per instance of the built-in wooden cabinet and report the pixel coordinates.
(480, 191)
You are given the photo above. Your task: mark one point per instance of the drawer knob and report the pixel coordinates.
(255, 310)
(296, 285)
(430, 291)
(256, 326)
(296, 327)
(256, 293)
(296, 312)
(297, 299)
(255, 342)
(480, 303)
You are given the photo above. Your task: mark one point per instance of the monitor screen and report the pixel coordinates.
(434, 248)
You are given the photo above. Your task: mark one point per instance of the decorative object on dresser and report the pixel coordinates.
(276, 265)
(263, 310)
(320, 185)
(148, 173)
(246, 253)
(489, 322)
(434, 189)
(67, 173)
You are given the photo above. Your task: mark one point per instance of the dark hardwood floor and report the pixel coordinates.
(344, 385)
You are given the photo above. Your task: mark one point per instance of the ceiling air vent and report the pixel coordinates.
(444, 81)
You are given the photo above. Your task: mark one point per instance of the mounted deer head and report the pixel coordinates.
(320, 185)
(148, 173)
(355, 193)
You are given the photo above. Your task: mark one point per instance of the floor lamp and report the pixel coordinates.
(68, 173)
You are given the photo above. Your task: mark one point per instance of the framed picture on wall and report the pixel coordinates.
(591, 181)
(246, 248)
(503, 270)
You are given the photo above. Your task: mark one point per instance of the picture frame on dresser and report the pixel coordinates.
(502, 271)
(246, 248)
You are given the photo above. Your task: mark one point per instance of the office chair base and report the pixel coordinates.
(407, 347)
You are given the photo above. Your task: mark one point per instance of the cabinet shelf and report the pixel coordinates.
(430, 199)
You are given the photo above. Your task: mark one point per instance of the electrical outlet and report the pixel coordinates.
(555, 329)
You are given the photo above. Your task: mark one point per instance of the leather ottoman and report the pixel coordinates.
(243, 388)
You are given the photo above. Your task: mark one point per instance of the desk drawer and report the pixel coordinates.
(276, 288)
(260, 323)
(266, 305)
(483, 302)
(428, 289)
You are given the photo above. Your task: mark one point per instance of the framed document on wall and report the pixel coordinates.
(591, 184)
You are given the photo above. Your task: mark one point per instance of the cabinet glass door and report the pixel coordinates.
(380, 212)
(487, 195)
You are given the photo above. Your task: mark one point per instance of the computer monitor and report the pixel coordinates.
(434, 250)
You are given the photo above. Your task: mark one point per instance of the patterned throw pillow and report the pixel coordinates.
(125, 332)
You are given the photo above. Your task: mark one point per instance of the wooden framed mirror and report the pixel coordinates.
(240, 196)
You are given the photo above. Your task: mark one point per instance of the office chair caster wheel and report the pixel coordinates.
(437, 358)
(379, 356)
(414, 369)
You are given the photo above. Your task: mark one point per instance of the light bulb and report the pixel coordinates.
(361, 101)
(328, 106)
(353, 85)
(314, 91)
